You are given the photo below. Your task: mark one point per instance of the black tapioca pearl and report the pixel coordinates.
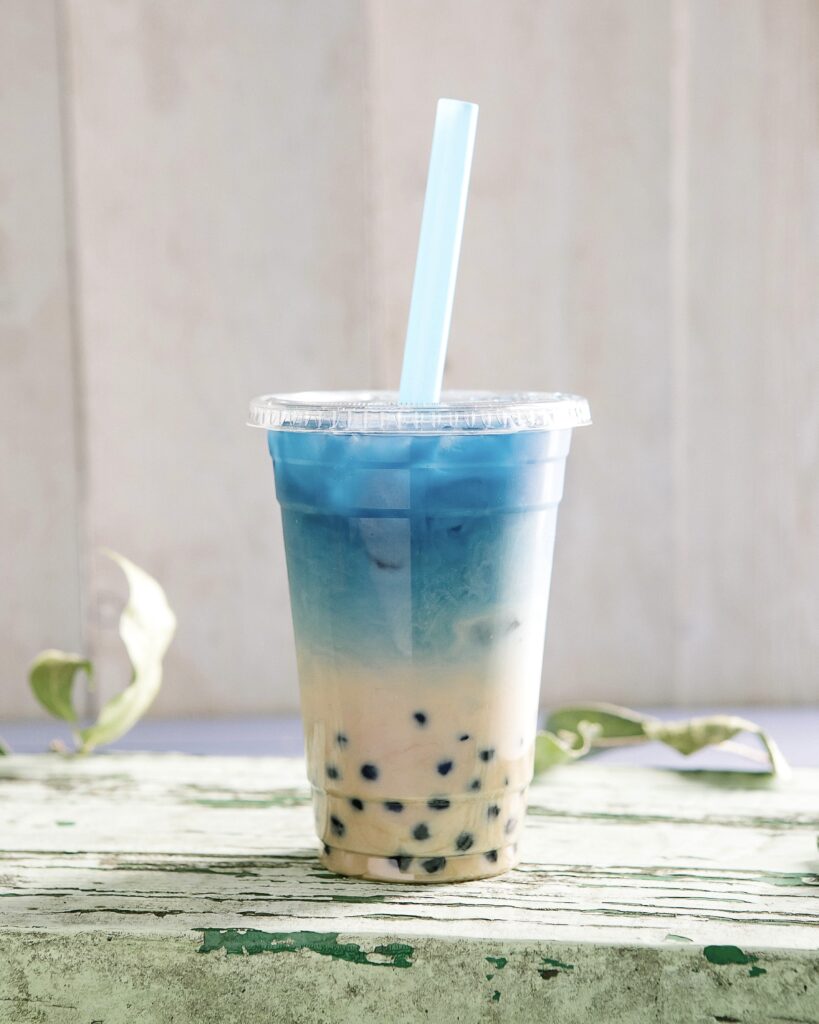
(510, 825)
(326, 849)
(487, 754)
(464, 840)
(341, 739)
(463, 737)
(369, 772)
(492, 856)
(355, 802)
(492, 811)
(433, 864)
(475, 785)
(401, 861)
(332, 772)
(337, 826)
(420, 717)
(438, 803)
(445, 767)
(394, 805)
(420, 832)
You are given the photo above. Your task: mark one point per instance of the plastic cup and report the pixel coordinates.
(419, 551)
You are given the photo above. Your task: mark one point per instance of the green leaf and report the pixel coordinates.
(4, 750)
(614, 723)
(565, 740)
(51, 677)
(694, 734)
(147, 626)
(559, 748)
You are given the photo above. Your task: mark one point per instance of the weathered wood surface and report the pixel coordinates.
(170, 888)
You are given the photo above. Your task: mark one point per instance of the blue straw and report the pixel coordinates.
(439, 248)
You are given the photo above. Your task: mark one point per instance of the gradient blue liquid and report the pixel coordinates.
(396, 544)
(419, 570)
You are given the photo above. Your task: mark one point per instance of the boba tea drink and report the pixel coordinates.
(419, 530)
(419, 549)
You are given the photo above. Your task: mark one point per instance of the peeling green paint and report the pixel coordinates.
(228, 868)
(65, 824)
(497, 961)
(723, 955)
(285, 798)
(794, 879)
(76, 911)
(739, 821)
(555, 968)
(557, 963)
(496, 996)
(338, 897)
(251, 941)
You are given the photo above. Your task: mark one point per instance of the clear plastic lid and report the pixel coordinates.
(379, 412)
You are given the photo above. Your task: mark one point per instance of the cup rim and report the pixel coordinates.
(380, 412)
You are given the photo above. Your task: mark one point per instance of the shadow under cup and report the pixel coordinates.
(419, 563)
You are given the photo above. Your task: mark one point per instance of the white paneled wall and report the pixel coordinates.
(40, 479)
(221, 236)
(242, 185)
(564, 283)
(749, 401)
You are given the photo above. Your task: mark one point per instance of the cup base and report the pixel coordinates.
(421, 870)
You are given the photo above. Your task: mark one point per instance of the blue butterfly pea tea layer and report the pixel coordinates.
(419, 570)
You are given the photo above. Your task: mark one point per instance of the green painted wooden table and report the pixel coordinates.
(154, 888)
